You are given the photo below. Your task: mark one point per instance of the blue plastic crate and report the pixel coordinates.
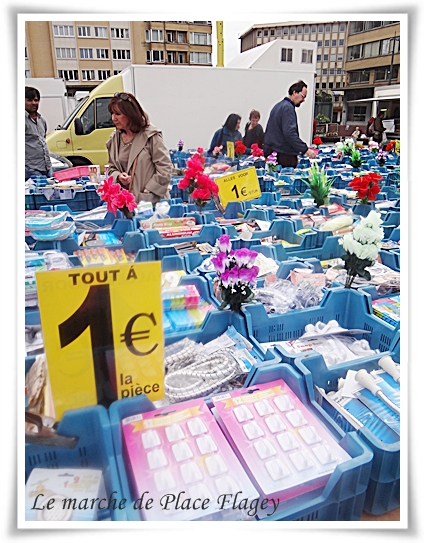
(343, 497)
(351, 309)
(390, 258)
(383, 492)
(77, 203)
(29, 201)
(92, 199)
(94, 450)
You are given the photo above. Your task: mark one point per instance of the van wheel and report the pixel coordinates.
(79, 161)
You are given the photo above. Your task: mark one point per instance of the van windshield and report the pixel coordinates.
(68, 121)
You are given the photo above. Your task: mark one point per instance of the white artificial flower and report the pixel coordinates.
(349, 141)
(338, 146)
(366, 235)
(372, 220)
(368, 252)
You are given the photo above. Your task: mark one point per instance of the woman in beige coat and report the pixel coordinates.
(138, 157)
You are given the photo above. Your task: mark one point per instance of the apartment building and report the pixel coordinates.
(352, 59)
(331, 51)
(84, 53)
(372, 63)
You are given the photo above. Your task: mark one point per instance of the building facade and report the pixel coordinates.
(84, 53)
(352, 59)
(372, 62)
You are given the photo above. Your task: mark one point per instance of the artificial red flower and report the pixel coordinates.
(130, 202)
(317, 140)
(239, 148)
(391, 146)
(256, 150)
(201, 194)
(367, 187)
(108, 189)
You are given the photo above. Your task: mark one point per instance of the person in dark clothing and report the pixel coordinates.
(253, 131)
(378, 127)
(228, 132)
(282, 132)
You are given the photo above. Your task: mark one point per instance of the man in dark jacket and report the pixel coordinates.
(282, 132)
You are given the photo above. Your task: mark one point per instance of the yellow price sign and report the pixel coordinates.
(230, 149)
(103, 333)
(238, 186)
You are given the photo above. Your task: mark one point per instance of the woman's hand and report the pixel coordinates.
(124, 179)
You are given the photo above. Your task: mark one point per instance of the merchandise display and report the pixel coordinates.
(229, 354)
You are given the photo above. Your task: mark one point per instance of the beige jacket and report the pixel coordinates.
(153, 168)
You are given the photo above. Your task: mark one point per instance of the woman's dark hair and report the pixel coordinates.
(297, 87)
(31, 93)
(127, 104)
(231, 121)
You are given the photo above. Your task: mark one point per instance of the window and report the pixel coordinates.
(318, 58)
(87, 119)
(102, 53)
(171, 57)
(371, 49)
(200, 38)
(333, 57)
(325, 57)
(182, 37)
(331, 71)
(341, 42)
(339, 71)
(259, 33)
(330, 85)
(339, 58)
(357, 114)
(320, 29)
(360, 76)
(68, 75)
(286, 55)
(87, 75)
(307, 56)
(327, 28)
(383, 73)
(200, 58)
(313, 29)
(116, 72)
(333, 43)
(66, 52)
(27, 73)
(338, 85)
(324, 71)
(319, 43)
(324, 85)
(84, 31)
(387, 46)
(103, 74)
(292, 30)
(86, 52)
(318, 71)
(272, 32)
(182, 58)
(26, 52)
(100, 31)
(356, 26)
(306, 29)
(354, 52)
(155, 56)
(265, 33)
(342, 27)
(335, 27)
(119, 33)
(285, 31)
(63, 30)
(316, 86)
(279, 31)
(121, 54)
(299, 30)
(326, 43)
(155, 35)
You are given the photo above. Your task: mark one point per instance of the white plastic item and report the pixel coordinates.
(367, 381)
(388, 365)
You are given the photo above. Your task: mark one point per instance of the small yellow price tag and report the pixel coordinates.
(230, 149)
(103, 333)
(238, 186)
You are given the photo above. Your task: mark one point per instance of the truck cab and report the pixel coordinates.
(82, 137)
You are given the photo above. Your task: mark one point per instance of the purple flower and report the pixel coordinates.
(248, 275)
(234, 275)
(245, 257)
(220, 262)
(224, 243)
(225, 278)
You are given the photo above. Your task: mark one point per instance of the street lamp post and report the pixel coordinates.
(393, 40)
